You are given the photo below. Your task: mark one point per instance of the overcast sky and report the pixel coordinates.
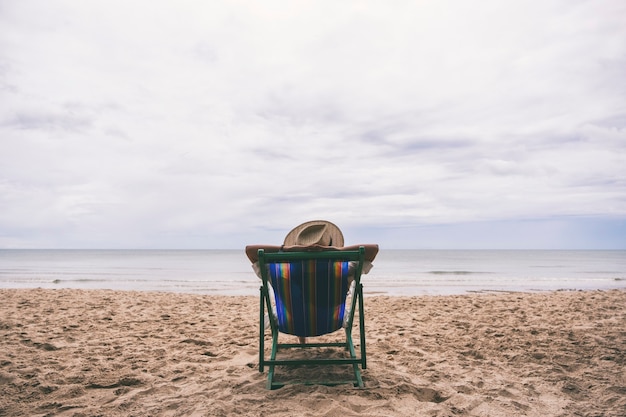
(215, 124)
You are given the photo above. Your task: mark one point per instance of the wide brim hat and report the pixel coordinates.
(315, 232)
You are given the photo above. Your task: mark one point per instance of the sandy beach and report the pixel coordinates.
(112, 353)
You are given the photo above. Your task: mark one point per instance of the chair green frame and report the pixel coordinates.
(265, 306)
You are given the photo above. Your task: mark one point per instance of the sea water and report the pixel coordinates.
(395, 272)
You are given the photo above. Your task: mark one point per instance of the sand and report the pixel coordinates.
(108, 353)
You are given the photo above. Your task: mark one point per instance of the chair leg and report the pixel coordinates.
(262, 333)
(357, 374)
(270, 373)
(355, 366)
(362, 327)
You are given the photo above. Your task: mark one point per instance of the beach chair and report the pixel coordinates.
(309, 299)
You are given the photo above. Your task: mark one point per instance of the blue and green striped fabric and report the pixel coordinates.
(310, 295)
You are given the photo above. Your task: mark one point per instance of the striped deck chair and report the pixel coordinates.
(309, 299)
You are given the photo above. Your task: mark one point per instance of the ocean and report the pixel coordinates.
(395, 272)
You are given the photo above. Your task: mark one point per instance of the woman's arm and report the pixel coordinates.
(252, 251)
(371, 250)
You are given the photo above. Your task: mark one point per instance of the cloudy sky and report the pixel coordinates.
(215, 124)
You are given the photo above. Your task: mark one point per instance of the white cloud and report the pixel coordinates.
(209, 124)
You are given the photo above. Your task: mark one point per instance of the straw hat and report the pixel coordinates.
(316, 232)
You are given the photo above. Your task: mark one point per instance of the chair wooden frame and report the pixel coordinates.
(356, 300)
